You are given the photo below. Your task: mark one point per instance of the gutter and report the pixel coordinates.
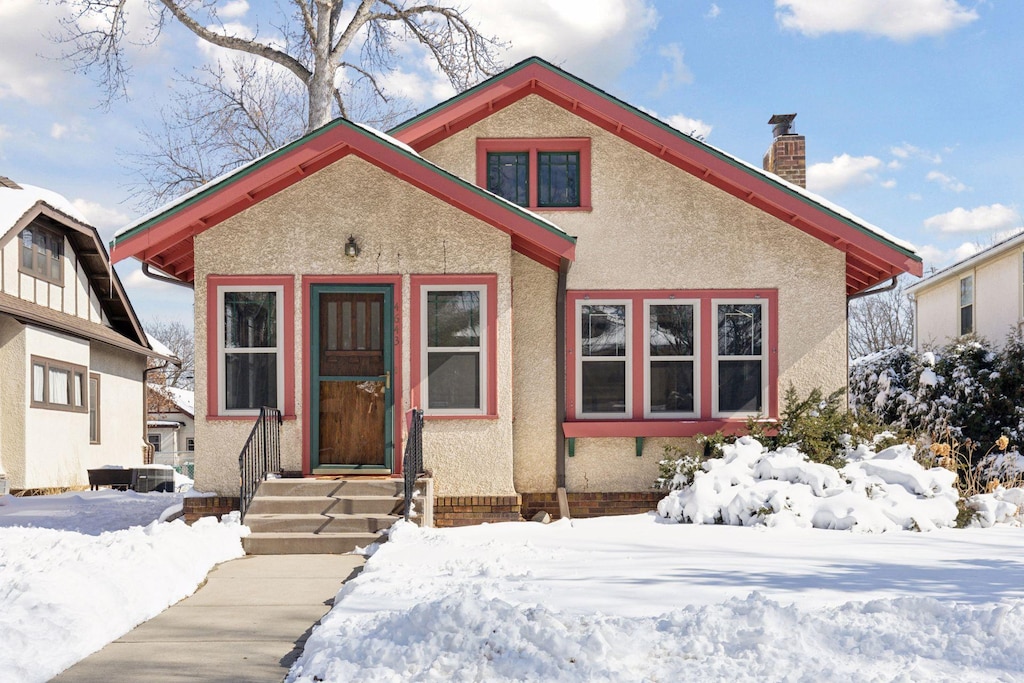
(868, 292)
(160, 277)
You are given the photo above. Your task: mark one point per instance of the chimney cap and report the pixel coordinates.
(783, 124)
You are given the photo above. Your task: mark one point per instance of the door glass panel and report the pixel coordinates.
(376, 328)
(332, 325)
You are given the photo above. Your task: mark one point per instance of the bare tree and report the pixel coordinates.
(180, 339)
(880, 321)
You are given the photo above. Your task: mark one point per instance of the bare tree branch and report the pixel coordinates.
(880, 321)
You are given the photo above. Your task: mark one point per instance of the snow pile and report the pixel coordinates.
(634, 598)
(875, 492)
(1002, 506)
(91, 577)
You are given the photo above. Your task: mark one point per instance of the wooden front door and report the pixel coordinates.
(352, 358)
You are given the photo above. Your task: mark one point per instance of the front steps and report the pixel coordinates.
(317, 516)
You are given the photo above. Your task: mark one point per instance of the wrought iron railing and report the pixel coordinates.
(261, 454)
(412, 462)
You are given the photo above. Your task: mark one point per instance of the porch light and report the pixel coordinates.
(351, 248)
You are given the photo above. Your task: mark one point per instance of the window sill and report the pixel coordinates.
(538, 209)
(428, 416)
(248, 418)
(652, 428)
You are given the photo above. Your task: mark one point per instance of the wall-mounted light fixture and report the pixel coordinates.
(351, 248)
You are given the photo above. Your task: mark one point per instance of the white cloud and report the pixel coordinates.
(842, 172)
(103, 218)
(419, 87)
(595, 39)
(678, 73)
(948, 183)
(713, 11)
(888, 184)
(694, 127)
(936, 257)
(990, 218)
(907, 151)
(233, 9)
(903, 21)
(58, 130)
(894, 165)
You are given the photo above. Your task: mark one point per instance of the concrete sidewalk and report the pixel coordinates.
(248, 622)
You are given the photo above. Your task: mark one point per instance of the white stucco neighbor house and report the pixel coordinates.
(171, 428)
(72, 352)
(563, 283)
(982, 295)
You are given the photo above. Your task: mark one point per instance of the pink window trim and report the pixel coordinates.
(307, 343)
(213, 284)
(531, 146)
(417, 283)
(636, 424)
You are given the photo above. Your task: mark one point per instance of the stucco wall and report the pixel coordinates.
(12, 400)
(654, 226)
(402, 230)
(122, 407)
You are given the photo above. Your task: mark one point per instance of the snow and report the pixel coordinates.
(160, 347)
(15, 203)
(638, 598)
(185, 399)
(79, 570)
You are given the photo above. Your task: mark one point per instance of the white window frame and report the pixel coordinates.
(482, 350)
(158, 444)
(695, 359)
(960, 305)
(627, 359)
(221, 351)
(763, 357)
(190, 444)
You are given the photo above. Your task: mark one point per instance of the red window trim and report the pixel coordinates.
(531, 146)
(490, 282)
(307, 343)
(635, 424)
(213, 283)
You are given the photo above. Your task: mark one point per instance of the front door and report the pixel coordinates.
(352, 360)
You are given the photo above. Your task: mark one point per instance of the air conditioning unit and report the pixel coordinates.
(146, 479)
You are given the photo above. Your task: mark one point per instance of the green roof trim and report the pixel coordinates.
(667, 128)
(257, 164)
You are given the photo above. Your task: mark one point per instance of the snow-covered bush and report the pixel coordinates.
(750, 484)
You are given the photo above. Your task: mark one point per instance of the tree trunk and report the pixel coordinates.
(321, 82)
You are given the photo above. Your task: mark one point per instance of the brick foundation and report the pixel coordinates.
(469, 510)
(586, 504)
(194, 508)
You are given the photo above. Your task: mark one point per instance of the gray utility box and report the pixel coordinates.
(146, 479)
(5, 485)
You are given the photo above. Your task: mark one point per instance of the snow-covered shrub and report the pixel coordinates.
(676, 470)
(750, 485)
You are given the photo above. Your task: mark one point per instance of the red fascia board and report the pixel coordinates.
(610, 115)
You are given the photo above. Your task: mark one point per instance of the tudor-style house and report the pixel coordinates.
(72, 352)
(561, 282)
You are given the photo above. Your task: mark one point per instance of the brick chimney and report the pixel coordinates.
(787, 157)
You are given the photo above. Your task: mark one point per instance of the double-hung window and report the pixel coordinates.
(672, 375)
(537, 173)
(94, 408)
(604, 388)
(967, 304)
(42, 254)
(250, 338)
(740, 365)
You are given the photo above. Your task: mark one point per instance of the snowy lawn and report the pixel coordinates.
(79, 570)
(641, 598)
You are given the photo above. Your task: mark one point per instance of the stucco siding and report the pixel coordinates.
(122, 407)
(12, 400)
(535, 428)
(401, 230)
(653, 226)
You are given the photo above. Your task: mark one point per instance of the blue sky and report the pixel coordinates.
(911, 108)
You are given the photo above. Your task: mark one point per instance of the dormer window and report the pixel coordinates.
(42, 255)
(537, 173)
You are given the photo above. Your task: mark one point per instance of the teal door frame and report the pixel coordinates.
(388, 344)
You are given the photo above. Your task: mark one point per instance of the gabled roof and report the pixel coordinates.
(997, 249)
(872, 255)
(26, 205)
(164, 238)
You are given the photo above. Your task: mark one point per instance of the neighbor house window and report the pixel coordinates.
(250, 338)
(94, 408)
(42, 254)
(672, 375)
(967, 304)
(671, 355)
(57, 385)
(537, 173)
(740, 365)
(190, 444)
(154, 440)
(454, 320)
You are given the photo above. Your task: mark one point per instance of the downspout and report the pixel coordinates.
(160, 277)
(560, 300)
(868, 292)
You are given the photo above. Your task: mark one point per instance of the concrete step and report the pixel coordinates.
(332, 487)
(284, 543)
(331, 523)
(321, 505)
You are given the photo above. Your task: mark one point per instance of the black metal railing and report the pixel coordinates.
(412, 462)
(261, 454)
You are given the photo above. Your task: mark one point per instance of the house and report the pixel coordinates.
(982, 295)
(171, 427)
(564, 284)
(72, 352)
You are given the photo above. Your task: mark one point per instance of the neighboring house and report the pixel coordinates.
(72, 352)
(982, 295)
(631, 287)
(171, 427)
